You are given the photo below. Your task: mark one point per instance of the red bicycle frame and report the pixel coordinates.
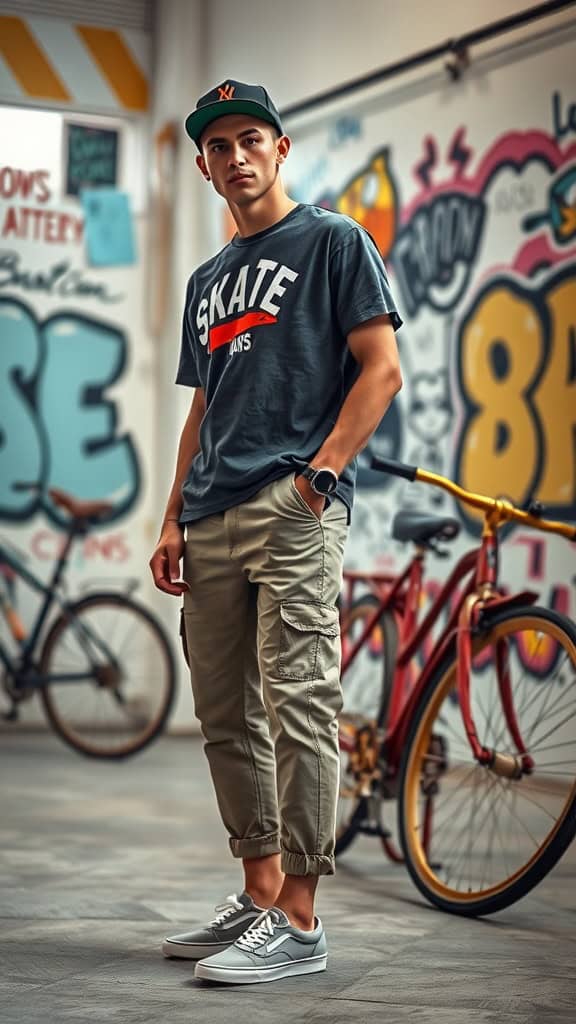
(401, 595)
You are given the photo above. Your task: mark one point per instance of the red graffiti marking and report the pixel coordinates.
(514, 149)
(27, 184)
(41, 225)
(46, 546)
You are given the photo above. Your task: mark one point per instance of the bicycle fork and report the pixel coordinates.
(509, 766)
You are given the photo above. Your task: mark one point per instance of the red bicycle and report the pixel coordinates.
(477, 740)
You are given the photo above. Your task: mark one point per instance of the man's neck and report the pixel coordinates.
(261, 215)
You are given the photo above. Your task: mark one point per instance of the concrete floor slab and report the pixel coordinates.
(99, 861)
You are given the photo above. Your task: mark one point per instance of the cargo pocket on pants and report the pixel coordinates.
(308, 632)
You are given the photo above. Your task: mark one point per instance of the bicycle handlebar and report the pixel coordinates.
(395, 468)
(497, 510)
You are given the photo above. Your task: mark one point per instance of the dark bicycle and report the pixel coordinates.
(104, 670)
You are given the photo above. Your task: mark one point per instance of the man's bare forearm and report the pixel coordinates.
(188, 447)
(362, 411)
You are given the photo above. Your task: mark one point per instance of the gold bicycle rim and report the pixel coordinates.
(418, 753)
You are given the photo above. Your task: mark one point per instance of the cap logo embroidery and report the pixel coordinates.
(226, 91)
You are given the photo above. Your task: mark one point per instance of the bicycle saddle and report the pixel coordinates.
(79, 510)
(422, 528)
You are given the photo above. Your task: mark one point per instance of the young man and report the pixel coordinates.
(288, 340)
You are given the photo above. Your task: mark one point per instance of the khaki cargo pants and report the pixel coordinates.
(264, 647)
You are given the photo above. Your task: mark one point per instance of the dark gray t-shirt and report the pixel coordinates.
(264, 333)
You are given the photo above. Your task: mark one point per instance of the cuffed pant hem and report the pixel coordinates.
(304, 864)
(255, 846)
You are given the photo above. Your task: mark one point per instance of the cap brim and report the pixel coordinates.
(198, 120)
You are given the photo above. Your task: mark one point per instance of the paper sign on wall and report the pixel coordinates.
(108, 228)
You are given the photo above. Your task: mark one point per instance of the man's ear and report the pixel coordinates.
(201, 164)
(282, 148)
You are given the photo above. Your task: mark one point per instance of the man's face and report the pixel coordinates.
(240, 156)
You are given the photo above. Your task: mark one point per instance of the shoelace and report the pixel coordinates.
(259, 932)
(224, 910)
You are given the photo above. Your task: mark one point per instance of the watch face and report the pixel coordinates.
(325, 482)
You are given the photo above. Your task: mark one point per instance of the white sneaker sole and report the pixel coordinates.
(188, 951)
(250, 975)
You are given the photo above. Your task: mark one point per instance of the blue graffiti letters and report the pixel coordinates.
(57, 427)
(433, 253)
(21, 436)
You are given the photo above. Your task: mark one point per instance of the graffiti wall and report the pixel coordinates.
(77, 402)
(469, 190)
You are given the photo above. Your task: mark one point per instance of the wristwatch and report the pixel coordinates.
(322, 480)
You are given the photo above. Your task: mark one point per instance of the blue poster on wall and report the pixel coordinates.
(108, 227)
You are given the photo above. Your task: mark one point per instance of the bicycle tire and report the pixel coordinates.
(528, 636)
(144, 722)
(348, 821)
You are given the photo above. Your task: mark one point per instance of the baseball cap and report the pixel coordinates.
(231, 98)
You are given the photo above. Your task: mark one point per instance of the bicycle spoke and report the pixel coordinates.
(524, 795)
(437, 759)
(473, 816)
(439, 806)
(487, 718)
(553, 710)
(516, 817)
(557, 725)
(552, 746)
(452, 813)
(522, 708)
(517, 821)
(502, 796)
(551, 764)
(466, 825)
(487, 861)
(541, 716)
(533, 787)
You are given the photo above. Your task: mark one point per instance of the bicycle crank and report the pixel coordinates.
(363, 759)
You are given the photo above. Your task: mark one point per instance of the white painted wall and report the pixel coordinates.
(303, 47)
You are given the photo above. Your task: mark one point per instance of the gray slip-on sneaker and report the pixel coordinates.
(232, 919)
(271, 949)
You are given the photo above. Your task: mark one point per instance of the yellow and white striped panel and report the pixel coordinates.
(52, 62)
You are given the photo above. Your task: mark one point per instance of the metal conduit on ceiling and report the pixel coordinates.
(456, 50)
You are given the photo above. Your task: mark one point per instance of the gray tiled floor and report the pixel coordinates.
(98, 861)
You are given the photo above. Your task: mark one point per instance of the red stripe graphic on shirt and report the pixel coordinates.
(224, 333)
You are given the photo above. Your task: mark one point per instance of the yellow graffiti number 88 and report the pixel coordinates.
(517, 376)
